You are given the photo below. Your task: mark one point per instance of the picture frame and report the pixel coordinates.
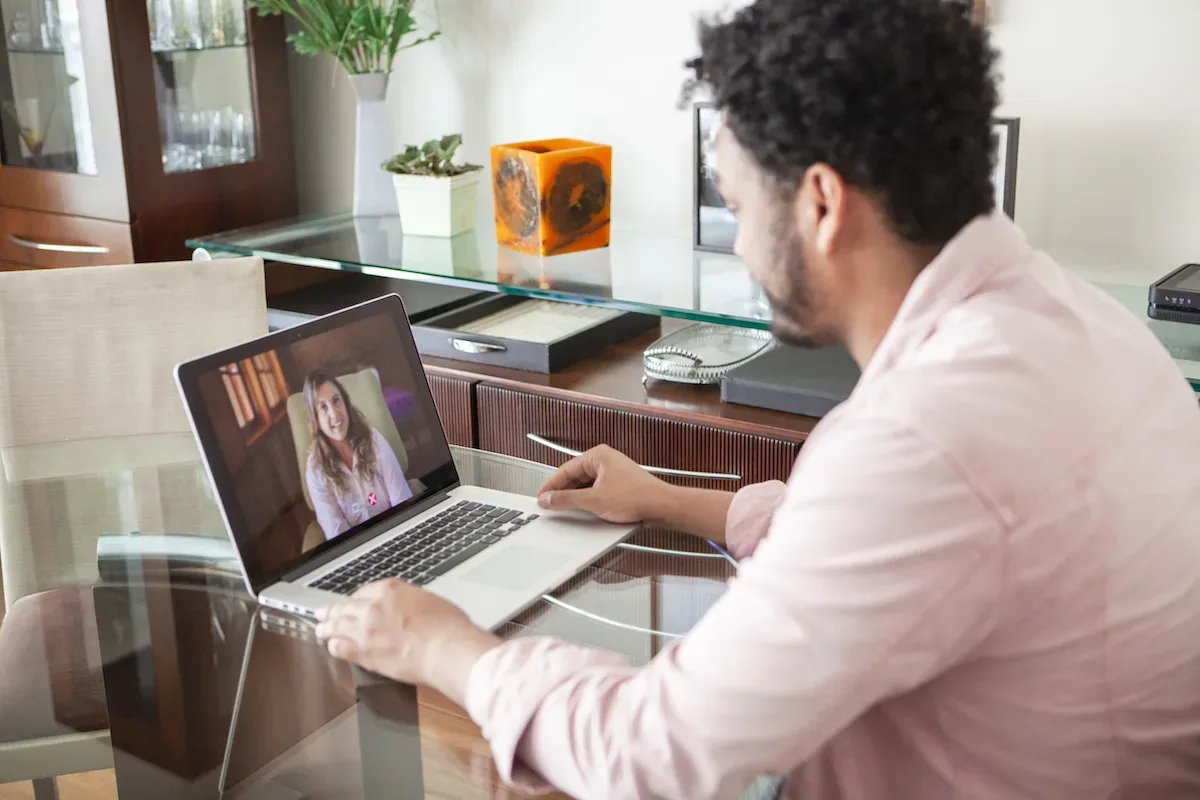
(714, 227)
(1007, 134)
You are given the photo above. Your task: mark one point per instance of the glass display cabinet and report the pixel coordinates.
(128, 127)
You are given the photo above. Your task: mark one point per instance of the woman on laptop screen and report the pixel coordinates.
(352, 473)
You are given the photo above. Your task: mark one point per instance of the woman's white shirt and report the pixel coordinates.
(339, 510)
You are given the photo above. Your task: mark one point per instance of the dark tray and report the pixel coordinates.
(438, 336)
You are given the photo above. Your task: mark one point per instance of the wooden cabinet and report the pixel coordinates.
(127, 128)
(506, 417)
(38, 239)
(455, 402)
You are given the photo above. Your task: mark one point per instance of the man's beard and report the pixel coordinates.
(792, 314)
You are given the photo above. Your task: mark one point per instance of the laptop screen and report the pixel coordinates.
(317, 433)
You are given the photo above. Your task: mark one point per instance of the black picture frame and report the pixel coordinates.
(1007, 133)
(714, 227)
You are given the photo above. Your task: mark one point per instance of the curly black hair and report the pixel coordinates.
(897, 96)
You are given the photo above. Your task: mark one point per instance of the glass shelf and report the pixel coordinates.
(653, 273)
(178, 51)
(650, 273)
(34, 51)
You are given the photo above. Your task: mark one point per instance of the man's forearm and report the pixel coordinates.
(701, 512)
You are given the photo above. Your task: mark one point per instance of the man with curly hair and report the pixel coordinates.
(983, 577)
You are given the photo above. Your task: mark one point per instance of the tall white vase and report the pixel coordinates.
(373, 192)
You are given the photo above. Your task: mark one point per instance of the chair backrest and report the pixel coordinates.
(89, 353)
(366, 393)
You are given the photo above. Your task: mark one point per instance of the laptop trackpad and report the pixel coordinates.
(516, 568)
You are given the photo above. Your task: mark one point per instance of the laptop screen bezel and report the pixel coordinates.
(442, 479)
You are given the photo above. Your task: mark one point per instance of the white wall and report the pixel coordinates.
(1107, 90)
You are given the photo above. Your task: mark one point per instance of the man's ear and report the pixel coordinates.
(821, 207)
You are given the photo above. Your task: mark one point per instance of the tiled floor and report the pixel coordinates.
(84, 786)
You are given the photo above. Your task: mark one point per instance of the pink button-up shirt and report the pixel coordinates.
(982, 580)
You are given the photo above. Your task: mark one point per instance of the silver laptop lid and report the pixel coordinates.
(317, 436)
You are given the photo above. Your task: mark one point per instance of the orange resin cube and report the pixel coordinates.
(552, 196)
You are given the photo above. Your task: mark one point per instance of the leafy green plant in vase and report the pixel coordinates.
(435, 196)
(364, 36)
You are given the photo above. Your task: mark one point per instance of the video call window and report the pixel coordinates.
(322, 435)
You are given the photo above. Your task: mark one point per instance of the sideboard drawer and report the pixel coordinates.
(506, 418)
(455, 403)
(38, 239)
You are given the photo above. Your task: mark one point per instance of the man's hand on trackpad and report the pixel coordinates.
(605, 483)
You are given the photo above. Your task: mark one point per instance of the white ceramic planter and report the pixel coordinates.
(437, 206)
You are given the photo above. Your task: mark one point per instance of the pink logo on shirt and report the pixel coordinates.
(372, 500)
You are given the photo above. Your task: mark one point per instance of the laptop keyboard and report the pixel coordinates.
(433, 548)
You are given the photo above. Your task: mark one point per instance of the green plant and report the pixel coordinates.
(432, 158)
(364, 35)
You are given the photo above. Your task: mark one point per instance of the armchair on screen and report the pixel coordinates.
(93, 440)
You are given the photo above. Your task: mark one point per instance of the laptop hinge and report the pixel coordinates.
(366, 536)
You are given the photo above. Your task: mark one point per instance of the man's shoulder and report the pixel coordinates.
(1023, 393)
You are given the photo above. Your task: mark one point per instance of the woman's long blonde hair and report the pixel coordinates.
(358, 434)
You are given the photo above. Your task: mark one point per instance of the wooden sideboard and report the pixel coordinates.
(602, 401)
(117, 146)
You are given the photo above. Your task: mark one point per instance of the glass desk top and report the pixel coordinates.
(652, 273)
(125, 650)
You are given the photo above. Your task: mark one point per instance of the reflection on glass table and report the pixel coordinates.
(153, 638)
(45, 121)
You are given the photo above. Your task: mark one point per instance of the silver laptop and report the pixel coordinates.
(332, 470)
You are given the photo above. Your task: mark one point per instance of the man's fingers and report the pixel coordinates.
(352, 606)
(344, 625)
(567, 500)
(578, 472)
(345, 649)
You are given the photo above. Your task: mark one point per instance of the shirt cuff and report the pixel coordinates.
(750, 516)
(506, 688)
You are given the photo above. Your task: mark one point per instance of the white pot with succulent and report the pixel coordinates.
(435, 196)
(364, 36)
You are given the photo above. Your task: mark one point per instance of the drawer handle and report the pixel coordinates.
(679, 473)
(92, 249)
(476, 348)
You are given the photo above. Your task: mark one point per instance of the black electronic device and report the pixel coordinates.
(1176, 298)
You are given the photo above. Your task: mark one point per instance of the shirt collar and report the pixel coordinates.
(982, 248)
